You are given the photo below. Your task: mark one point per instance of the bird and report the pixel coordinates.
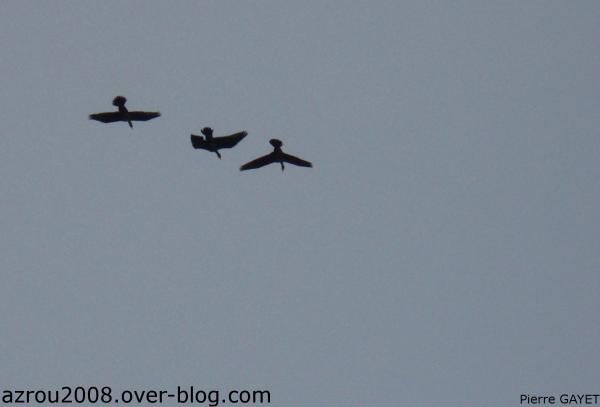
(123, 115)
(277, 156)
(214, 144)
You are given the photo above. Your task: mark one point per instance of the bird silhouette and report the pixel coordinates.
(123, 115)
(214, 144)
(277, 156)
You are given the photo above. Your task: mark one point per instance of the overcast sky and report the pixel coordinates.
(444, 249)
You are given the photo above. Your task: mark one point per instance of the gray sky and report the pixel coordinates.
(442, 251)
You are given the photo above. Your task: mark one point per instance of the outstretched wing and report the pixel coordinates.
(229, 141)
(259, 162)
(295, 160)
(108, 117)
(198, 142)
(142, 116)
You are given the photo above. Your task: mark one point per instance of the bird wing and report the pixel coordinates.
(259, 162)
(198, 142)
(142, 116)
(295, 160)
(107, 117)
(229, 141)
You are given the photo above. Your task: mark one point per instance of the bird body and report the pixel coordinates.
(123, 115)
(277, 156)
(214, 144)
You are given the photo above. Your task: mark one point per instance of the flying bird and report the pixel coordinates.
(277, 156)
(214, 144)
(123, 115)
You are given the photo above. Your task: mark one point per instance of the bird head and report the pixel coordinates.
(276, 143)
(119, 101)
(207, 131)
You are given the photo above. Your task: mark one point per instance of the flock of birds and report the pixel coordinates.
(208, 142)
